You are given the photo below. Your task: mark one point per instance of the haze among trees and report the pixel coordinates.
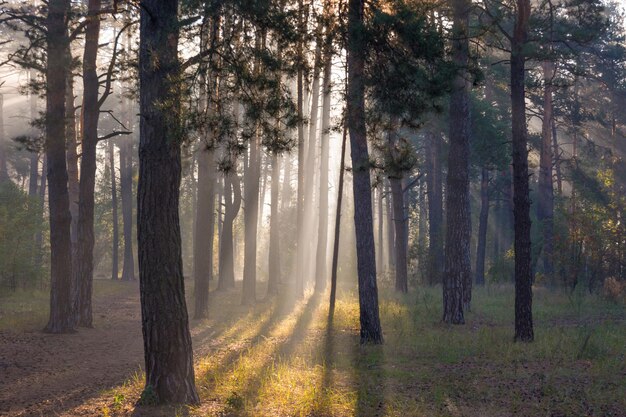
(312, 207)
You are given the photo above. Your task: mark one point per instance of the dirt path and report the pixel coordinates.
(45, 375)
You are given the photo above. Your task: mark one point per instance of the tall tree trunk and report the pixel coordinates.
(482, 227)
(165, 325)
(204, 230)
(126, 190)
(60, 320)
(545, 206)
(232, 200)
(391, 237)
(380, 242)
(523, 279)
(299, 278)
(557, 159)
(321, 263)
(41, 197)
(274, 253)
(309, 180)
(91, 114)
(434, 189)
(72, 160)
(205, 196)
(335, 261)
(457, 278)
(361, 186)
(116, 233)
(33, 175)
(399, 220)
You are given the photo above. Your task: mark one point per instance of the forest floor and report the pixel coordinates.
(280, 358)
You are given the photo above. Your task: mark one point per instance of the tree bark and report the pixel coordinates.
(482, 227)
(91, 114)
(72, 159)
(167, 341)
(60, 320)
(299, 278)
(116, 237)
(523, 287)
(391, 237)
(457, 278)
(371, 331)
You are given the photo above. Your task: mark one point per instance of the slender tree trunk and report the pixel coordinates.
(482, 227)
(299, 278)
(335, 262)
(72, 161)
(274, 253)
(391, 237)
(371, 331)
(321, 264)
(557, 158)
(60, 320)
(116, 237)
(523, 279)
(434, 190)
(41, 200)
(399, 220)
(205, 196)
(232, 200)
(167, 341)
(380, 243)
(33, 175)
(91, 114)
(545, 206)
(457, 278)
(126, 189)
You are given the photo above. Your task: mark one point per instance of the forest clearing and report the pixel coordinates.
(313, 208)
(281, 360)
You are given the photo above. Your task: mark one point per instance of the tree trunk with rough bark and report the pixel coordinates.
(4, 172)
(60, 320)
(457, 279)
(91, 114)
(126, 191)
(371, 331)
(523, 278)
(165, 324)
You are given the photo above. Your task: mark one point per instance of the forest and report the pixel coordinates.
(313, 208)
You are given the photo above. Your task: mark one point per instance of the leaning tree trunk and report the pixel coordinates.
(545, 203)
(361, 185)
(60, 320)
(91, 114)
(482, 227)
(521, 209)
(116, 233)
(165, 325)
(457, 279)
